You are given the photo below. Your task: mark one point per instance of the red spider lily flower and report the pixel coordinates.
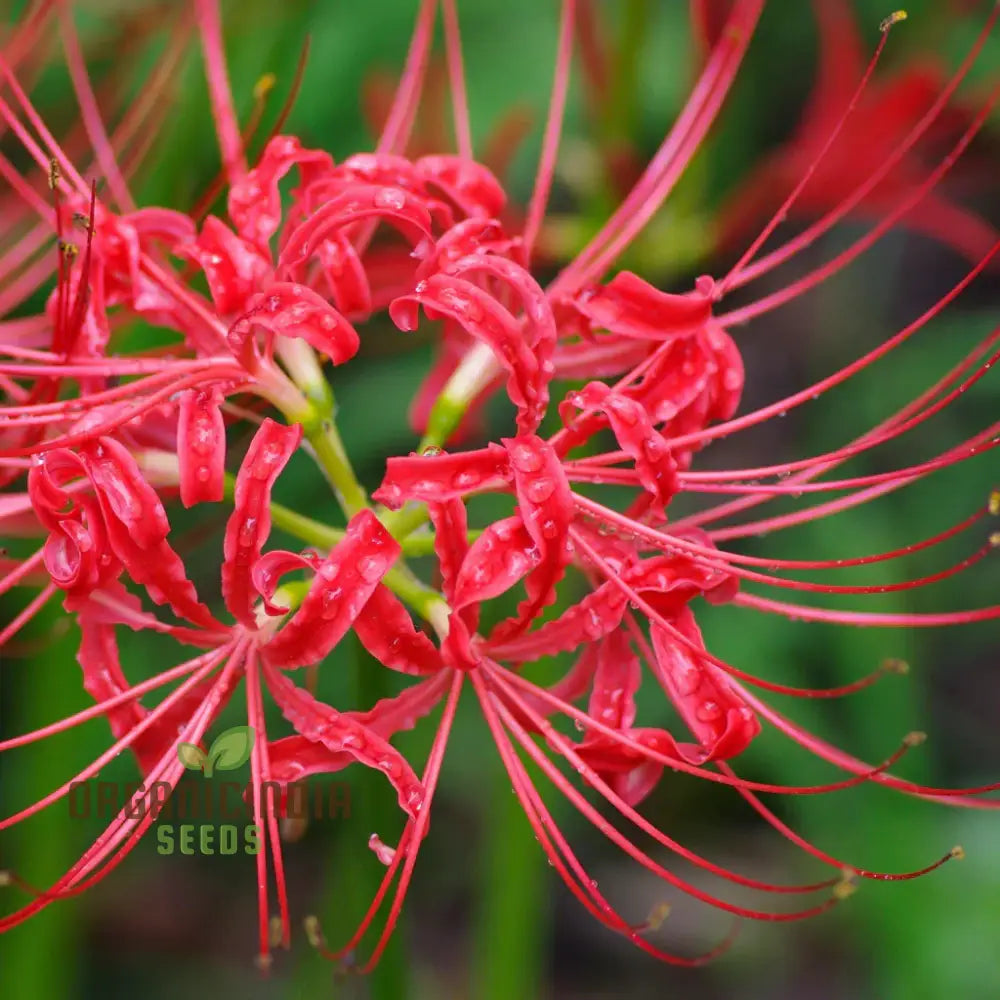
(119, 526)
(662, 377)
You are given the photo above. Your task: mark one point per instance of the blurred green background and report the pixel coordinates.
(487, 918)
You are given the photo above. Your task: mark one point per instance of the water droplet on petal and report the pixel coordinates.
(539, 490)
(372, 568)
(525, 458)
(708, 711)
(391, 198)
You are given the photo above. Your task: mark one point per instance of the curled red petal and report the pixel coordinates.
(539, 322)
(137, 529)
(670, 582)
(123, 492)
(451, 543)
(592, 618)
(485, 319)
(77, 554)
(470, 236)
(399, 712)
(340, 733)
(344, 582)
(545, 505)
(630, 774)
(201, 446)
(386, 630)
(404, 210)
(501, 556)
(345, 274)
(234, 268)
(541, 325)
(630, 306)
(616, 680)
(729, 373)
(250, 522)
(612, 702)
(293, 310)
(634, 431)
(269, 569)
(719, 719)
(255, 201)
(468, 184)
(296, 758)
(442, 477)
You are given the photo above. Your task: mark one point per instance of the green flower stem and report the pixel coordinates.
(475, 371)
(512, 924)
(423, 544)
(424, 600)
(328, 449)
(314, 532)
(403, 522)
(318, 424)
(42, 957)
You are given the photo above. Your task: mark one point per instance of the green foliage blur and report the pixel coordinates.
(487, 918)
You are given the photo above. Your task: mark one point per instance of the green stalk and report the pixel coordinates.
(328, 449)
(41, 958)
(302, 527)
(512, 921)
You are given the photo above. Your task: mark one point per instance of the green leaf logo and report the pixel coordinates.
(230, 750)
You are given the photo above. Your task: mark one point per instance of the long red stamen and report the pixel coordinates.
(672, 157)
(817, 229)
(456, 74)
(556, 847)
(226, 125)
(553, 129)
(396, 132)
(565, 747)
(727, 282)
(96, 131)
(913, 198)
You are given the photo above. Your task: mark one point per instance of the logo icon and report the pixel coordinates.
(230, 750)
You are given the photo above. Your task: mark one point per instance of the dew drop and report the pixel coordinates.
(526, 458)
(372, 568)
(708, 711)
(391, 198)
(541, 489)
